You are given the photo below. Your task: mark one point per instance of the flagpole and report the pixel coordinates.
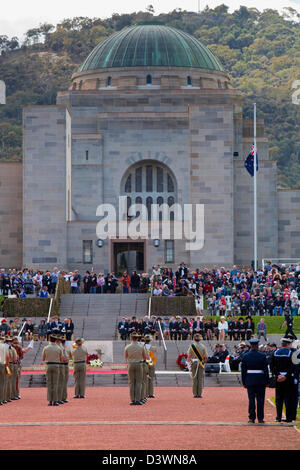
(255, 192)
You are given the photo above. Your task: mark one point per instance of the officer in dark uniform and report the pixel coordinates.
(289, 322)
(283, 369)
(296, 361)
(255, 377)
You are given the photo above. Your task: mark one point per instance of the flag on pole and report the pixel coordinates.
(249, 162)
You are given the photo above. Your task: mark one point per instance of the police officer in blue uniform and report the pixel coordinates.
(255, 377)
(283, 369)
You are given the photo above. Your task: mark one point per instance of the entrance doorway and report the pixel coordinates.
(128, 256)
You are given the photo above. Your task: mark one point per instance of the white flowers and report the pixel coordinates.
(96, 363)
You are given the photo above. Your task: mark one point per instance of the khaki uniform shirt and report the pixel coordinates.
(52, 353)
(3, 353)
(135, 352)
(79, 354)
(65, 354)
(202, 349)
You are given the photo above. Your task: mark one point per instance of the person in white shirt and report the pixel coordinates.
(223, 328)
(199, 304)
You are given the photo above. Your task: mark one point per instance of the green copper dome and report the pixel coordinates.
(150, 45)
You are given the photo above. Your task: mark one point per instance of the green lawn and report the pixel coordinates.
(273, 323)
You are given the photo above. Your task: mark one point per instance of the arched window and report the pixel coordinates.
(149, 79)
(150, 183)
(108, 83)
(80, 84)
(189, 81)
(219, 84)
(74, 86)
(149, 202)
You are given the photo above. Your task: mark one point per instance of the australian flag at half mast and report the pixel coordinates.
(249, 162)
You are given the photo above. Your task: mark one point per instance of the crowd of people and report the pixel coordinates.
(221, 353)
(29, 330)
(270, 290)
(183, 327)
(28, 282)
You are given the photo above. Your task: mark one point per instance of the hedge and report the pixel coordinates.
(36, 307)
(180, 305)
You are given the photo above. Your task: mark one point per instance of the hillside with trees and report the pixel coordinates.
(260, 51)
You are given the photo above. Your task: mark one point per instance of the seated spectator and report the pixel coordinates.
(242, 329)
(28, 284)
(208, 329)
(67, 328)
(28, 330)
(42, 331)
(198, 327)
(44, 294)
(262, 329)
(123, 328)
(133, 326)
(157, 291)
(223, 328)
(234, 330)
(249, 325)
(4, 328)
(213, 306)
(184, 329)
(166, 327)
(174, 328)
(147, 327)
(55, 325)
(158, 326)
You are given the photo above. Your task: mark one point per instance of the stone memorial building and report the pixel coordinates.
(150, 115)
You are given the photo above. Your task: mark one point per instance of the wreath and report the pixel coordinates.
(94, 361)
(182, 361)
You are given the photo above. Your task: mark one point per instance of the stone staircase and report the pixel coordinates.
(96, 316)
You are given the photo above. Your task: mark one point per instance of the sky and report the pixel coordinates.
(20, 15)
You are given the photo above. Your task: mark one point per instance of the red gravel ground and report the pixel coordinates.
(171, 405)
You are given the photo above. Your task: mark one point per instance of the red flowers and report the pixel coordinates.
(182, 361)
(91, 357)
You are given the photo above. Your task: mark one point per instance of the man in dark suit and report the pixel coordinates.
(255, 377)
(123, 328)
(198, 327)
(55, 326)
(234, 331)
(249, 325)
(181, 273)
(174, 328)
(147, 326)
